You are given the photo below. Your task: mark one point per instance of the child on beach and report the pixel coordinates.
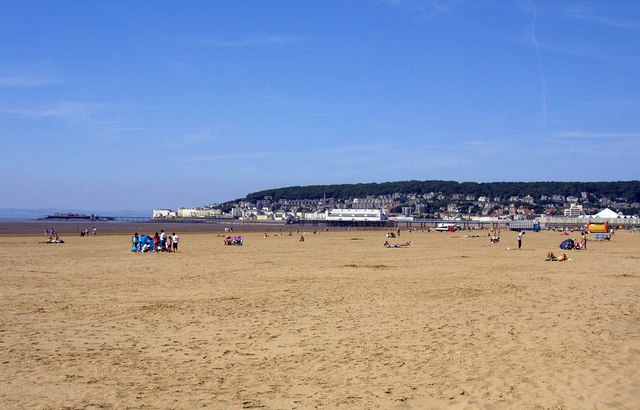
(175, 239)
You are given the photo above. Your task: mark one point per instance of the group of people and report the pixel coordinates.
(52, 236)
(52, 239)
(161, 242)
(85, 232)
(234, 240)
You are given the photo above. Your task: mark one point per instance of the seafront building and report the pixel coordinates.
(574, 210)
(355, 215)
(199, 213)
(164, 213)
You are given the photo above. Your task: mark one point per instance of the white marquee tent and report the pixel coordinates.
(607, 213)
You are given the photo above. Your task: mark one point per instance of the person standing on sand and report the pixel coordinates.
(135, 243)
(169, 243)
(520, 239)
(163, 239)
(176, 239)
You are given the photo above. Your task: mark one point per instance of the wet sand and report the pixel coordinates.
(335, 321)
(37, 227)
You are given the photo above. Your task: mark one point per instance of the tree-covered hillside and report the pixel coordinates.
(626, 190)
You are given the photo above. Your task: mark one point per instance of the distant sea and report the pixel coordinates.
(21, 214)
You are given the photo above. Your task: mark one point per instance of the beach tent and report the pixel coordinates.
(567, 244)
(607, 213)
(146, 240)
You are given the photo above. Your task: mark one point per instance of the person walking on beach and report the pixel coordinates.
(520, 239)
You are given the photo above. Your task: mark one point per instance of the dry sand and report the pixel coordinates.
(336, 321)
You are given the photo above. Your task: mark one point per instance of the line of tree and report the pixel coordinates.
(628, 191)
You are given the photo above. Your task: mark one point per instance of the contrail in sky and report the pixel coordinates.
(543, 81)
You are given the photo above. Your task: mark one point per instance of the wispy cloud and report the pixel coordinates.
(225, 157)
(489, 147)
(124, 129)
(322, 114)
(583, 14)
(596, 135)
(432, 8)
(253, 41)
(60, 110)
(343, 155)
(202, 137)
(530, 7)
(26, 81)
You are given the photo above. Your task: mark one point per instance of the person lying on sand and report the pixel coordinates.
(396, 245)
(553, 258)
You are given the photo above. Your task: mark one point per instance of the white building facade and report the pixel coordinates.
(356, 215)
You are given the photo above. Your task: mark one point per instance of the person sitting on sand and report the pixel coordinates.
(51, 239)
(387, 244)
(301, 238)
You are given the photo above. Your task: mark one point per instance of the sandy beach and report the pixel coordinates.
(336, 321)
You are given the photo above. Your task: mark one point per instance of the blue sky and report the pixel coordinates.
(137, 104)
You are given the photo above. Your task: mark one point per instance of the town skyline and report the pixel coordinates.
(426, 199)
